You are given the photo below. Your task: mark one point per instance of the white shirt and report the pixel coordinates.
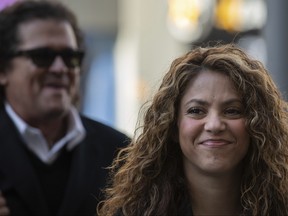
(35, 141)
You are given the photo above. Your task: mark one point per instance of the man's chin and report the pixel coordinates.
(57, 112)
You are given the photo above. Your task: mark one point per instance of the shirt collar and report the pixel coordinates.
(19, 123)
(75, 134)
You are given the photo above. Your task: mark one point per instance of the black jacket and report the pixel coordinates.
(22, 190)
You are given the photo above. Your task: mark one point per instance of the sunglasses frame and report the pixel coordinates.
(44, 57)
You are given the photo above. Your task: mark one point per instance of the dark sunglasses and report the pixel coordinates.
(44, 57)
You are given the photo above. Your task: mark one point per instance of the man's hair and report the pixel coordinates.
(24, 11)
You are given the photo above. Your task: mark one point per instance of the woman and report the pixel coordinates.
(214, 142)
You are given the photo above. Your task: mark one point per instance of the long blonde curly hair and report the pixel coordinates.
(147, 177)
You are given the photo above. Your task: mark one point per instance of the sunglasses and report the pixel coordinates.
(44, 57)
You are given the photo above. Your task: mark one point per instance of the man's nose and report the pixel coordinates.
(214, 123)
(58, 65)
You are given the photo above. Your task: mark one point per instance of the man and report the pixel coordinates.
(52, 159)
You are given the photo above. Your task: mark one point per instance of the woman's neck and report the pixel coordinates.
(215, 195)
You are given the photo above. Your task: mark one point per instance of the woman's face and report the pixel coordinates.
(211, 124)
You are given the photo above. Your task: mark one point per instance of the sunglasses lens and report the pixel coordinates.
(72, 59)
(42, 60)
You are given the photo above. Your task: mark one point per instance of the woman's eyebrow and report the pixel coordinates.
(196, 101)
(203, 102)
(232, 101)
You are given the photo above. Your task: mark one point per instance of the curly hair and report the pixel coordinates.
(147, 176)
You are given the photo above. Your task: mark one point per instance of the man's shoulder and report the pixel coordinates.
(92, 124)
(99, 129)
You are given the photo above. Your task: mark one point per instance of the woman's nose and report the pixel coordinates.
(214, 123)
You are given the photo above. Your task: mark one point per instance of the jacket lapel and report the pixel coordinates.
(82, 186)
(15, 166)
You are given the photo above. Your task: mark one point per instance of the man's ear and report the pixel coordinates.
(3, 78)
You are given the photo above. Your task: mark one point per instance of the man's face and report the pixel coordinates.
(38, 92)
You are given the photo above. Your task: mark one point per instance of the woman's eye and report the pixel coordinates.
(233, 112)
(195, 110)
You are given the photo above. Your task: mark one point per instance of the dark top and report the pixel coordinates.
(185, 209)
(53, 188)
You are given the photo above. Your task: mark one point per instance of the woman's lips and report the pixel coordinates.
(215, 143)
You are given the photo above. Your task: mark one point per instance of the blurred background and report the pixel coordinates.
(131, 44)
